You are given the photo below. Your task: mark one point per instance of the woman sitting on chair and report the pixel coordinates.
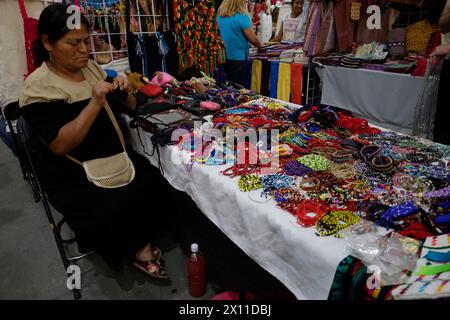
(72, 105)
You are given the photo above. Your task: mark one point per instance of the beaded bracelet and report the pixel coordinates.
(309, 212)
(294, 168)
(315, 162)
(417, 157)
(326, 152)
(249, 182)
(288, 199)
(276, 181)
(341, 156)
(441, 193)
(369, 152)
(382, 164)
(334, 222)
(327, 179)
(240, 170)
(310, 184)
(343, 170)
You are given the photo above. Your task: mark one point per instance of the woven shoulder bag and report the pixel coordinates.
(109, 172)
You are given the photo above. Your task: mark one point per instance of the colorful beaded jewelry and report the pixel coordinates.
(249, 182)
(309, 212)
(315, 162)
(343, 170)
(334, 222)
(274, 182)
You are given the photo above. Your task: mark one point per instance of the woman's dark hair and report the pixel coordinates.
(53, 24)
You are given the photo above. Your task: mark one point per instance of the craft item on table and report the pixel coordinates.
(326, 152)
(209, 105)
(294, 168)
(288, 199)
(342, 156)
(240, 170)
(398, 212)
(432, 274)
(151, 90)
(274, 182)
(334, 222)
(441, 193)
(315, 162)
(161, 78)
(327, 179)
(309, 212)
(383, 164)
(343, 170)
(250, 182)
(309, 183)
(413, 169)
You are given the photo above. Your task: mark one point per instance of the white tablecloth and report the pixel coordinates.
(385, 98)
(299, 259)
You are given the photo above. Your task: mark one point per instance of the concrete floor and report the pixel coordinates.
(31, 267)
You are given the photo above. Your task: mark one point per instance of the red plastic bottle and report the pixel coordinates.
(196, 272)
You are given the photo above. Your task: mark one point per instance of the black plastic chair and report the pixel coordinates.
(26, 144)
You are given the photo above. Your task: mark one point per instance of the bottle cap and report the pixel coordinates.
(194, 247)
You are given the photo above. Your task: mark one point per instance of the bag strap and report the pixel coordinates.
(116, 126)
(23, 11)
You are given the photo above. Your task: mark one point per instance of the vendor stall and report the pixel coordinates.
(334, 172)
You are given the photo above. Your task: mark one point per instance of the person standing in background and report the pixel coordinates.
(293, 26)
(236, 30)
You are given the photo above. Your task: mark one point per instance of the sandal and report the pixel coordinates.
(152, 268)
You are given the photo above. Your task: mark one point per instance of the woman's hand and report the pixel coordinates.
(99, 92)
(441, 51)
(122, 83)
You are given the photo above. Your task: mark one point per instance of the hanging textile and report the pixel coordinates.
(256, 76)
(30, 32)
(328, 39)
(273, 79)
(265, 78)
(296, 83)
(135, 51)
(344, 25)
(284, 82)
(199, 41)
(313, 29)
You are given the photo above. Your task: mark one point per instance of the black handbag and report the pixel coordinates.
(156, 105)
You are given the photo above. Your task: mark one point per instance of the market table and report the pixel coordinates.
(383, 97)
(300, 260)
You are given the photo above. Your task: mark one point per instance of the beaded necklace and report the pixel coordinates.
(288, 199)
(274, 182)
(309, 212)
(334, 222)
(249, 182)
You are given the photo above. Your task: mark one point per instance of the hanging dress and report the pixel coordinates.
(199, 41)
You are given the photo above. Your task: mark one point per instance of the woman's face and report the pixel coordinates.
(297, 7)
(72, 50)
